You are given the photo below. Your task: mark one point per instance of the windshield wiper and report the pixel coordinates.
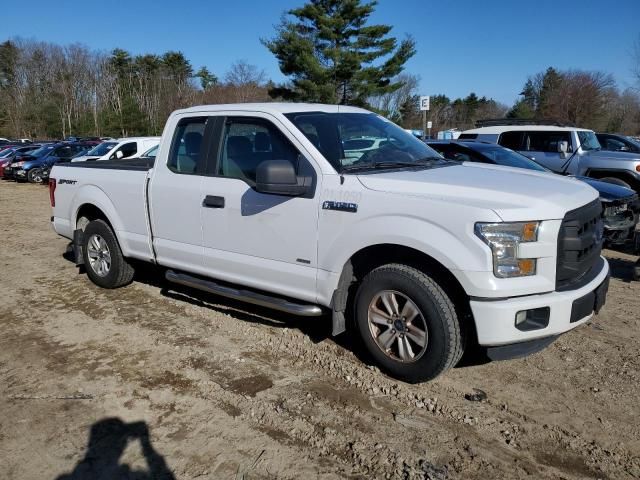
(422, 163)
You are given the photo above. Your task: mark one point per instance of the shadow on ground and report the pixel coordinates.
(108, 440)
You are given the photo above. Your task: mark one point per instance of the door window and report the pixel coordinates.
(186, 155)
(546, 141)
(127, 150)
(613, 144)
(248, 142)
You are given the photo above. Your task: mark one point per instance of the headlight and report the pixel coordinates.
(504, 239)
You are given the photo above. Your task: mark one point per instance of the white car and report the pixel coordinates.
(131, 147)
(260, 202)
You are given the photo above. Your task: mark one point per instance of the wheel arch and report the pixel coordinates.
(368, 258)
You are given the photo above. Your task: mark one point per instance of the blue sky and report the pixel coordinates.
(486, 46)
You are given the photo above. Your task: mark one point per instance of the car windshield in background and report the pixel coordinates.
(588, 140)
(102, 149)
(7, 152)
(39, 152)
(362, 141)
(151, 153)
(509, 158)
(634, 141)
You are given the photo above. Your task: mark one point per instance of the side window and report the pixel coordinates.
(127, 150)
(186, 153)
(248, 142)
(512, 140)
(546, 141)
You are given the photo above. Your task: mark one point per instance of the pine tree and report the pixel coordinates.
(333, 56)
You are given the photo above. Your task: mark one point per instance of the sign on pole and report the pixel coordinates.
(429, 124)
(424, 102)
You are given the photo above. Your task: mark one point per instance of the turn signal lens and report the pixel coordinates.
(530, 232)
(527, 266)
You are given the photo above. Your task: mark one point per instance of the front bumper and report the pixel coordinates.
(495, 319)
(19, 174)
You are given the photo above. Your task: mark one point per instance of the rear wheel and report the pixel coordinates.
(408, 323)
(103, 259)
(35, 175)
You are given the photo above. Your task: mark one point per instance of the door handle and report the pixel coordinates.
(211, 201)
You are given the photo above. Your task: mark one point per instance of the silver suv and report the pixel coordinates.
(563, 149)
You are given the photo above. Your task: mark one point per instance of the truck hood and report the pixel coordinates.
(84, 158)
(514, 194)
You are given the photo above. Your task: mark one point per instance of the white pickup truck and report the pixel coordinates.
(314, 209)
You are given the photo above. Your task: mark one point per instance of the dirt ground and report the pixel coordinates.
(154, 381)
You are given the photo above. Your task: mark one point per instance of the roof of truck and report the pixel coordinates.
(534, 128)
(275, 107)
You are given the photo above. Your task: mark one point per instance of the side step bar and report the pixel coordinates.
(264, 300)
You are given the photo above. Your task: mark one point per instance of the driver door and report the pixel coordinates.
(265, 241)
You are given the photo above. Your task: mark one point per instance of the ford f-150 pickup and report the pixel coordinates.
(314, 209)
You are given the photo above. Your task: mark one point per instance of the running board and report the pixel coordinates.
(263, 300)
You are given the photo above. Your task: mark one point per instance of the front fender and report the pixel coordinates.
(456, 251)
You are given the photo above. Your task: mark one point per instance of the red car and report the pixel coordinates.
(8, 155)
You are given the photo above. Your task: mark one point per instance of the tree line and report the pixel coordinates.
(329, 53)
(53, 91)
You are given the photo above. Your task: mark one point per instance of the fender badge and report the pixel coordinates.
(340, 206)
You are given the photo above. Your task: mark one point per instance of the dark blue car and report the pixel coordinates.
(26, 167)
(621, 204)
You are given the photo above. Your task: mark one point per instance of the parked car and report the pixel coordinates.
(255, 202)
(621, 204)
(7, 156)
(131, 147)
(562, 149)
(618, 143)
(27, 167)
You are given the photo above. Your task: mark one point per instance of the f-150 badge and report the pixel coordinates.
(340, 206)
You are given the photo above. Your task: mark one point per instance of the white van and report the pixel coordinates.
(130, 147)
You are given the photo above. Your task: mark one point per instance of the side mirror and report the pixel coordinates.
(278, 177)
(563, 146)
(119, 154)
(624, 148)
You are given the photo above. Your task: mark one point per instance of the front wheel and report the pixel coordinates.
(35, 175)
(408, 323)
(103, 259)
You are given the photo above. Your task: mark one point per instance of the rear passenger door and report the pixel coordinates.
(260, 240)
(176, 196)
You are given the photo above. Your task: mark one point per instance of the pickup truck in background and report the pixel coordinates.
(281, 205)
(562, 149)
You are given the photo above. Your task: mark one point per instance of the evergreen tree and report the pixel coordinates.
(207, 79)
(333, 56)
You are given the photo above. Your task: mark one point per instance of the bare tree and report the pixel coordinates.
(247, 80)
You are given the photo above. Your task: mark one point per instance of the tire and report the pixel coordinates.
(615, 181)
(103, 260)
(427, 355)
(35, 175)
(636, 271)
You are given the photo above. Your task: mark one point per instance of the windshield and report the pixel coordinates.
(352, 141)
(6, 153)
(102, 149)
(39, 152)
(634, 141)
(152, 152)
(509, 158)
(588, 140)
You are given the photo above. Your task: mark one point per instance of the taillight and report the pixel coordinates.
(52, 191)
